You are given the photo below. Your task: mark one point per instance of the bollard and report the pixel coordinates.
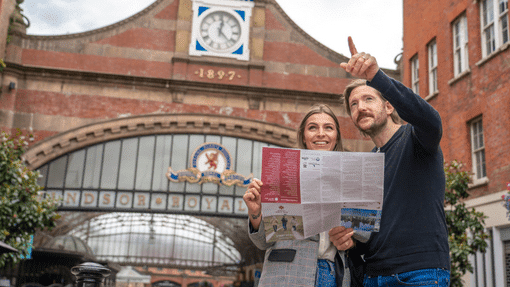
(90, 274)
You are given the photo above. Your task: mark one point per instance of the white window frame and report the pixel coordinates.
(415, 76)
(432, 48)
(478, 151)
(494, 25)
(460, 46)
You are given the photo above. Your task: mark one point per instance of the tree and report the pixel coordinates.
(22, 211)
(465, 227)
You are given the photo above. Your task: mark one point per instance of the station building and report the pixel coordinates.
(120, 114)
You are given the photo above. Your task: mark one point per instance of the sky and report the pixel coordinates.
(375, 25)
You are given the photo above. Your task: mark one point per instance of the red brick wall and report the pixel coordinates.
(485, 91)
(93, 63)
(141, 38)
(170, 12)
(100, 107)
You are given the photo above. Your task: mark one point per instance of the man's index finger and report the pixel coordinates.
(352, 47)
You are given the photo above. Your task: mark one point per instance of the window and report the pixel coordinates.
(478, 149)
(432, 67)
(494, 25)
(460, 45)
(415, 79)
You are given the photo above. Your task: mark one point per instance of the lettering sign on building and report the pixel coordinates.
(143, 201)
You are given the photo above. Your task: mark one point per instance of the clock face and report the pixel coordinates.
(220, 31)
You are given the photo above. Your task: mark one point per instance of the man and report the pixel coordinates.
(412, 244)
(284, 223)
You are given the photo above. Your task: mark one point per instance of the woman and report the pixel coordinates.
(313, 263)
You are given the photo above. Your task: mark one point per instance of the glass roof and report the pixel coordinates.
(157, 239)
(69, 243)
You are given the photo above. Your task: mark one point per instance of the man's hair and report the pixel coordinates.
(319, 109)
(358, 83)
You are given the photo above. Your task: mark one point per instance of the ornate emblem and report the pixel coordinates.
(210, 163)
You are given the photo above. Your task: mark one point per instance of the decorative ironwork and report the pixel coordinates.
(90, 274)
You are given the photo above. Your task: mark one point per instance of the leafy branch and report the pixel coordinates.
(22, 209)
(465, 226)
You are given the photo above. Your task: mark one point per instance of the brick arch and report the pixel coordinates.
(53, 147)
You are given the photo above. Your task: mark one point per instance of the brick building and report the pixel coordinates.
(457, 57)
(111, 109)
(142, 65)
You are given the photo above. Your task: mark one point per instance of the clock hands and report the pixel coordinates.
(219, 28)
(220, 31)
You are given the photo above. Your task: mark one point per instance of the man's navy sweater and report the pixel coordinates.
(413, 233)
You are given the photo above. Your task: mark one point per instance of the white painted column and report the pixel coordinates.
(499, 257)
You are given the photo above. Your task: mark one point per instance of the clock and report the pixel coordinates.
(221, 29)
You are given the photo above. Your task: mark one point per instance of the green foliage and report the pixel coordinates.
(22, 211)
(460, 222)
(9, 32)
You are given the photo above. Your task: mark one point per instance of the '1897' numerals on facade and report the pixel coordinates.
(212, 74)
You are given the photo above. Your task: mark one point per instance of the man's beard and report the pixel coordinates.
(374, 129)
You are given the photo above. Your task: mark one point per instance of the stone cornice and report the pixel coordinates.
(53, 147)
(172, 85)
(220, 62)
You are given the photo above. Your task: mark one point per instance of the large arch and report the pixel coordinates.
(53, 147)
(45, 152)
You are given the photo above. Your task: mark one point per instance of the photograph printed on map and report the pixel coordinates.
(363, 221)
(285, 222)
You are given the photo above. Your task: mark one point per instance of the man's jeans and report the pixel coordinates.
(422, 277)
